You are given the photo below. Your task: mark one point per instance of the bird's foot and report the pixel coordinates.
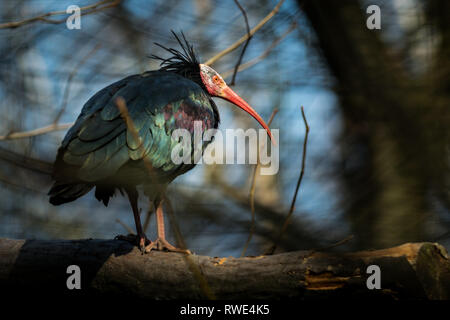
(141, 241)
(162, 245)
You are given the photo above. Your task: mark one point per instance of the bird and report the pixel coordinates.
(122, 138)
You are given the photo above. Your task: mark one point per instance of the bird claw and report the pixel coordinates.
(145, 245)
(163, 245)
(141, 241)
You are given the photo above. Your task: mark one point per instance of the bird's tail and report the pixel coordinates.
(62, 192)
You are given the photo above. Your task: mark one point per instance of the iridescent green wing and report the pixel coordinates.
(100, 142)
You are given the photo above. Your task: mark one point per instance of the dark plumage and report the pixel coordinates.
(184, 63)
(99, 151)
(102, 150)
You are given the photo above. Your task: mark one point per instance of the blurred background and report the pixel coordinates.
(377, 102)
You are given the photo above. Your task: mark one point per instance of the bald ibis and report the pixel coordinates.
(101, 151)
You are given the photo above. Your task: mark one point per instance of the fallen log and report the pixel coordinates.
(116, 268)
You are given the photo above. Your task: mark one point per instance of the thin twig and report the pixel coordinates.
(334, 245)
(300, 178)
(36, 132)
(123, 109)
(261, 57)
(337, 244)
(147, 218)
(249, 37)
(121, 105)
(235, 45)
(44, 17)
(195, 269)
(53, 127)
(69, 81)
(129, 230)
(173, 223)
(252, 193)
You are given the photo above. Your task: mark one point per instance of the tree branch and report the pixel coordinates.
(36, 132)
(55, 127)
(235, 45)
(114, 267)
(45, 17)
(299, 181)
(249, 37)
(252, 191)
(69, 82)
(261, 57)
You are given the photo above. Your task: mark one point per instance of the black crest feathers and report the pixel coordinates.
(184, 62)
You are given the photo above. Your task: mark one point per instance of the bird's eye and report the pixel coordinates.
(216, 79)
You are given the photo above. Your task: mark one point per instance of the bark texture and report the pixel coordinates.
(114, 267)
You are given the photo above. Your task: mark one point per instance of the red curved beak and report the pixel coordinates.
(232, 97)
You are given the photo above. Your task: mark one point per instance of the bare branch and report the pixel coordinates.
(129, 230)
(235, 45)
(337, 244)
(36, 132)
(55, 127)
(147, 217)
(252, 193)
(300, 178)
(261, 57)
(121, 105)
(249, 37)
(44, 17)
(193, 267)
(69, 81)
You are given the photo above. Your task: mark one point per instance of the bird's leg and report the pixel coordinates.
(141, 238)
(161, 243)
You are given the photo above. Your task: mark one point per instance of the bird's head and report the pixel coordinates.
(217, 87)
(186, 63)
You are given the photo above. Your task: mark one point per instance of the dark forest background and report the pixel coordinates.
(377, 102)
